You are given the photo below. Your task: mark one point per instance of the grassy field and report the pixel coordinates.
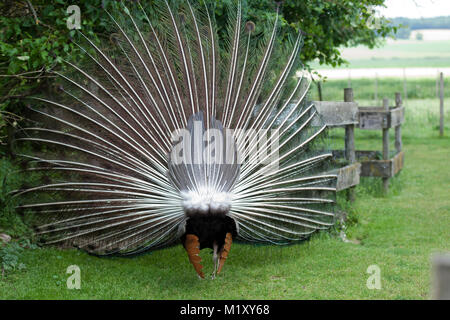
(398, 54)
(364, 89)
(398, 233)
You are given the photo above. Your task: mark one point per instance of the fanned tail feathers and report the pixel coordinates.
(106, 139)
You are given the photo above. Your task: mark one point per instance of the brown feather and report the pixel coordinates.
(192, 246)
(225, 250)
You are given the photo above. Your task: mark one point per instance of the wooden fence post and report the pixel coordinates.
(441, 121)
(441, 277)
(319, 89)
(350, 154)
(386, 145)
(398, 129)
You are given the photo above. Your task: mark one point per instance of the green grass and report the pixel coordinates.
(398, 54)
(398, 233)
(379, 62)
(364, 89)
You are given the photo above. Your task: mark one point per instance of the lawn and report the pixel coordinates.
(398, 233)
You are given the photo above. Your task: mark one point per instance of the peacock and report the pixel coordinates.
(175, 129)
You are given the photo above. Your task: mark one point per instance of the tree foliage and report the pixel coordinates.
(329, 25)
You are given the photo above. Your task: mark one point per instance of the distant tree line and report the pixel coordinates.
(407, 25)
(424, 23)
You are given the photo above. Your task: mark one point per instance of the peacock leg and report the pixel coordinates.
(224, 252)
(192, 246)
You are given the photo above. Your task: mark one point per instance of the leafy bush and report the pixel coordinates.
(34, 38)
(10, 255)
(10, 222)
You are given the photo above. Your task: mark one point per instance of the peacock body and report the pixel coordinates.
(174, 130)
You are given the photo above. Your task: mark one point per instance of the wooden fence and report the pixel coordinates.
(365, 163)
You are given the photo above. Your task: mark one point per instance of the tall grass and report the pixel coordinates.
(398, 54)
(364, 89)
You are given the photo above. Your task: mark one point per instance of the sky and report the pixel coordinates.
(416, 8)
